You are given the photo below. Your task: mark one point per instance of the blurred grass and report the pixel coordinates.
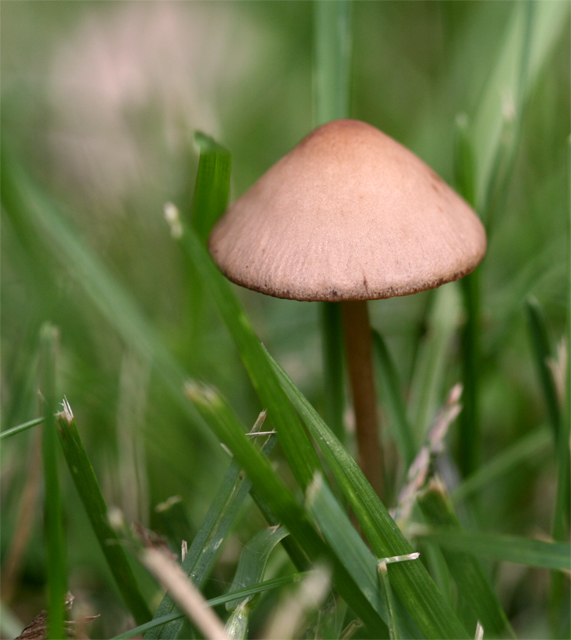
(85, 246)
(55, 539)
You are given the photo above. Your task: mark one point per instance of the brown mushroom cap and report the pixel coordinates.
(348, 214)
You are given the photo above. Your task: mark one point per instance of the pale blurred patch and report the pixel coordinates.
(131, 85)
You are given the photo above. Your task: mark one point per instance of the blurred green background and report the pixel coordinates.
(100, 102)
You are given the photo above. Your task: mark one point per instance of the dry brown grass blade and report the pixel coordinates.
(187, 597)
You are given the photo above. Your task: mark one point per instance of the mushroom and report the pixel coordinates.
(349, 215)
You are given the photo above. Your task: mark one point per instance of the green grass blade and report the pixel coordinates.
(212, 185)
(210, 199)
(475, 590)
(56, 566)
(21, 427)
(332, 63)
(345, 541)
(414, 587)
(253, 560)
(531, 447)
(333, 366)
(526, 551)
(543, 353)
(390, 601)
(208, 541)
(93, 501)
(220, 417)
(392, 400)
(294, 551)
(469, 432)
(428, 379)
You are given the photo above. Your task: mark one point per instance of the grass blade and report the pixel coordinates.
(389, 599)
(332, 65)
(220, 417)
(412, 583)
(344, 539)
(533, 553)
(393, 401)
(469, 433)
(212, 185)
(530, 447)
(478, 597)
(332, 55)
(94, 503)
(543, 354)
(428, 379)
(333, 366)
(253, 560)
(21, 427)
(56, 569)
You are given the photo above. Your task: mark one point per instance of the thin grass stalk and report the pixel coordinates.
(331, 78)
(543, 353)
(470, 436)
(388, 596)
(332, 59)
(531, 448)
(393, 402)
(56, 568)
(20, 428)
(525, 551)
(333, 366)
(208, 204)
(214, 168)
(94, 504)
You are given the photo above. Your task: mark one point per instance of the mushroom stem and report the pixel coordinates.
(358, 344)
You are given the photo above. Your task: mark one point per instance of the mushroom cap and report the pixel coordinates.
(348, 214)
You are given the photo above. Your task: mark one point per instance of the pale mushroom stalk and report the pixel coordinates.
(358, 344)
